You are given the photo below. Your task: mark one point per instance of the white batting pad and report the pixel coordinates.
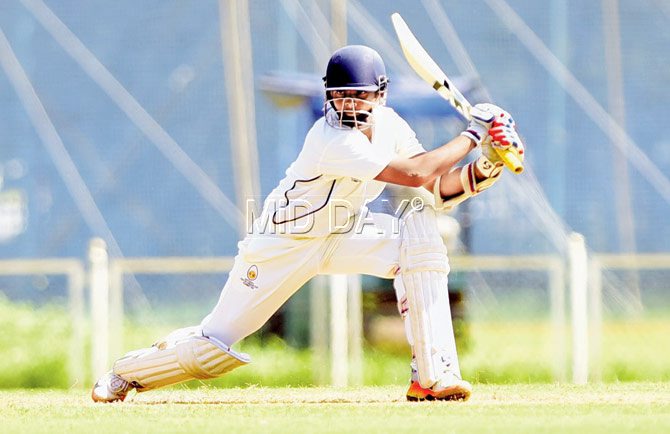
(424, 269)
(174, 361)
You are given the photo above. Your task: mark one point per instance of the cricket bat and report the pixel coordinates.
(430, 72)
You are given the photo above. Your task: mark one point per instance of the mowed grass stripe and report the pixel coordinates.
(611, 408)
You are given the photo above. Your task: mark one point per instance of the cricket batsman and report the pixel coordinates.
(316, 222)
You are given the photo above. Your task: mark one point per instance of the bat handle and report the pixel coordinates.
(511, 160)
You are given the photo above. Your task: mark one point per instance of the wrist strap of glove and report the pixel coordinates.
(475, 132)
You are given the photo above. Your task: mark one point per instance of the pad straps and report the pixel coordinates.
(167, 363)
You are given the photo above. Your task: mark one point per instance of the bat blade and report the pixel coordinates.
(426, 68)
(424, 65)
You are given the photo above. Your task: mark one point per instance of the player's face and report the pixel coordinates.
(353, 107)
(351, 101)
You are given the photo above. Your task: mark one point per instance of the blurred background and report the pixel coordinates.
(133, 134)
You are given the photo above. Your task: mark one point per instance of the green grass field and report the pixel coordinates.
(498, 352)
(611, 408)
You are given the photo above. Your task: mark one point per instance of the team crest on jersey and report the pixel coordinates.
(252, 274)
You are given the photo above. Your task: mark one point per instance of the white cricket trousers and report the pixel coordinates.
(270, 268)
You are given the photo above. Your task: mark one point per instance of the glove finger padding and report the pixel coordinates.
(504, 134)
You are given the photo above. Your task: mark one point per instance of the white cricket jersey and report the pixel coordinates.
(332, 179)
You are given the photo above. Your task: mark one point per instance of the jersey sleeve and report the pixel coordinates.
(352, 156)
(407, 144)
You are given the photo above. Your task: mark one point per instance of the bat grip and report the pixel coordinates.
(511, 160)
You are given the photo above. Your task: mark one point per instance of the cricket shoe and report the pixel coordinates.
(111, 388)
(454, 389)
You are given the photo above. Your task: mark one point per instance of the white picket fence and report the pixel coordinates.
(103, 278)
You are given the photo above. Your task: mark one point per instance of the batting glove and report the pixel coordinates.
(482, 120)
(504, 135)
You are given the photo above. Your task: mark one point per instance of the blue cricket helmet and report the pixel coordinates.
(356, 67)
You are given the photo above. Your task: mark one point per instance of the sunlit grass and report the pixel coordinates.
(549, 408)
